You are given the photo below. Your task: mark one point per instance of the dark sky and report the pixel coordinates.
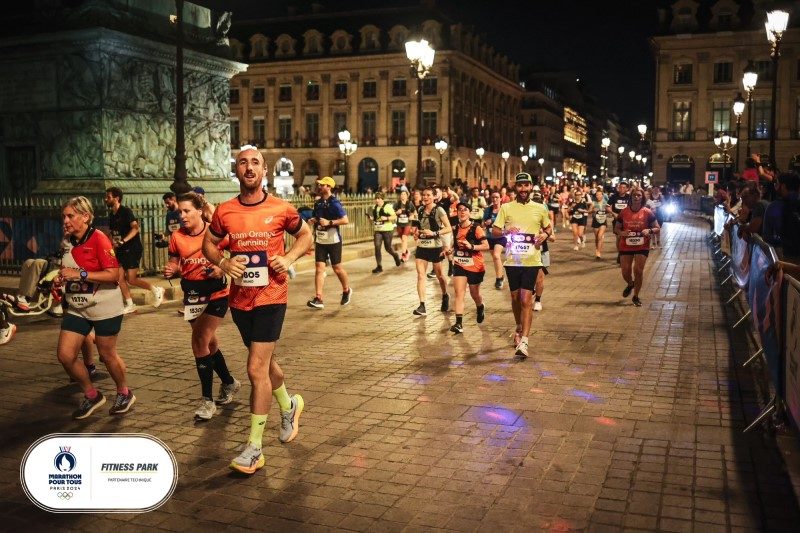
(605, 42)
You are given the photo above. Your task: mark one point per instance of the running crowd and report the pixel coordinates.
(234, 257)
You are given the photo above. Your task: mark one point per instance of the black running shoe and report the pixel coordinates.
(498, 283)
(88, 406)
(627, 292)
(377, 270)
(315, 303)
(636, 301)
(397, 261)
(346, 296)
(445, 303)
(481, 313)
(420, 311)
(457, 328)
(122, 403)
(431, 275)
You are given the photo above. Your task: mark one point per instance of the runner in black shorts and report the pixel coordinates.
(431, 224)
(205, 300)
(468, 266)
(329, 216)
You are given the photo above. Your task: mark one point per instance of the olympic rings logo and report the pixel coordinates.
(65, 495)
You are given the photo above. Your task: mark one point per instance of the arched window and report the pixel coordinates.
(258, 46)
(284, 46)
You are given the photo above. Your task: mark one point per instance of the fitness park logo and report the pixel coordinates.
(85, 473)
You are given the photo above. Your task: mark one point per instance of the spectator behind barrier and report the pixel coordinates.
(751, 218)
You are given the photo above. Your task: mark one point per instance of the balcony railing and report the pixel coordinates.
(311, 143)
(397, 140)
(283, 143)
(369, 141)
(681, 136)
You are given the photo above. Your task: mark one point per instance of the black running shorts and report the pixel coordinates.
(495, 241)
(216, 308)
(260, 324)
(635, 252)
(102, 328)
(473, 278)
(129, 257)
(432, 255)
(522, 277)
(322, 252)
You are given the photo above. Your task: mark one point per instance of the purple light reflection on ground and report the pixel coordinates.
(494, 377)
(419, 379)
(546, 374)
(496, 414)
(620, 381)
(456, 363)
(588, 396)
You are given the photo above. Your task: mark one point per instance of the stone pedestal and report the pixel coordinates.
(85, 109)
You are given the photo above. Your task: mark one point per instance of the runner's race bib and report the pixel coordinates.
(402, 219)
(476, 212)
(521, 244)
(173, 227)
(427, 243)
(621, 204)
(79, 294)
(327, 236)
(554, 204)
(577, 214)
(256, 271)
(194, 305)
(600, 218)
(378, 223)
(463, 258)
(116, 238)
(637, 240)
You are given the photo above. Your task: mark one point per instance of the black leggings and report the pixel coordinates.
(384, 237)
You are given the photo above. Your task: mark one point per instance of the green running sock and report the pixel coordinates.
(282, 397)
(257, 423)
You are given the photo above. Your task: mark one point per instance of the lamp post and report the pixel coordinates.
(724, 142)
(777, 21)
(420, 53)
(180, 180)
(348, 147)
(749, 81)
(738, 109)
(505, 156)
(441, 147)
(479, 151)
(605, 142)
(621, 152)
(541, 165)
(524, 162)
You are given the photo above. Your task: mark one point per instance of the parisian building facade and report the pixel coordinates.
(311, 76)
(700, 63)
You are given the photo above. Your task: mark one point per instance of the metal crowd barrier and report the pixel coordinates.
(772, 305)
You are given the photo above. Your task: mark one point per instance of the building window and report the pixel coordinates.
(399, 87)
(312, 129)
(285, 131)
(339, 122)
(681, 120)
(368, 122)
(312, 91)
(683, 74)
(723, 72)
(574, 127)
(234, 96)
(370, 89)
(285, 93)
(235, 132)
(258, 132)
(259, 95)
(761, 123)
(764, 69)
(429, 86)
(340, 90)
(722, 116)
(429, 126)
(398, 127)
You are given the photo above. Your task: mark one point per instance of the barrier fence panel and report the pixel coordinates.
(740, 257)
(764, 298)
(791, 347)
(720, 217)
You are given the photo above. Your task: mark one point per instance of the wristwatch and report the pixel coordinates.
(83, 274)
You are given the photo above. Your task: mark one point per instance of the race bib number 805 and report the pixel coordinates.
(256, 271)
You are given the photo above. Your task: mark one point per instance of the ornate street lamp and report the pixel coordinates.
(605, 142)
(775, 25)
(724, 142)
(621, 151)
(479, 151)
(524, 162)
(541, 165)
(749, 81)
(180, 180)
(348, 147)
(420, 53)
(738, 109)
(505, 156)
(441, 147)
(642, 130)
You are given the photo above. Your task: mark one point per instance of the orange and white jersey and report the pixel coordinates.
(188, 250)
(256, 232)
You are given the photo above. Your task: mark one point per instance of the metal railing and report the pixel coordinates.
(32, 228)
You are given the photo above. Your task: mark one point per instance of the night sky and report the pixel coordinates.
(604, 42)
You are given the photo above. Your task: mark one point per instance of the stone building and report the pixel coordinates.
(312, 74)
(700, 59)
(88, 97)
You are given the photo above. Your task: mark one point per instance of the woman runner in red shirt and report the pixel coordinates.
(468, 265)
(634, 227)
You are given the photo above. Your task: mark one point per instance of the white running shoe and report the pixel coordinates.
(6, 334)
(227, 392)
(537, 306)
(206, 410)
(129, 308)
(250, 460)
(522, 348)
(290, 420)
(158, 292)
(576, 248)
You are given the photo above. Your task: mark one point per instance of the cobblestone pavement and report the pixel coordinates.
(622, 417)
